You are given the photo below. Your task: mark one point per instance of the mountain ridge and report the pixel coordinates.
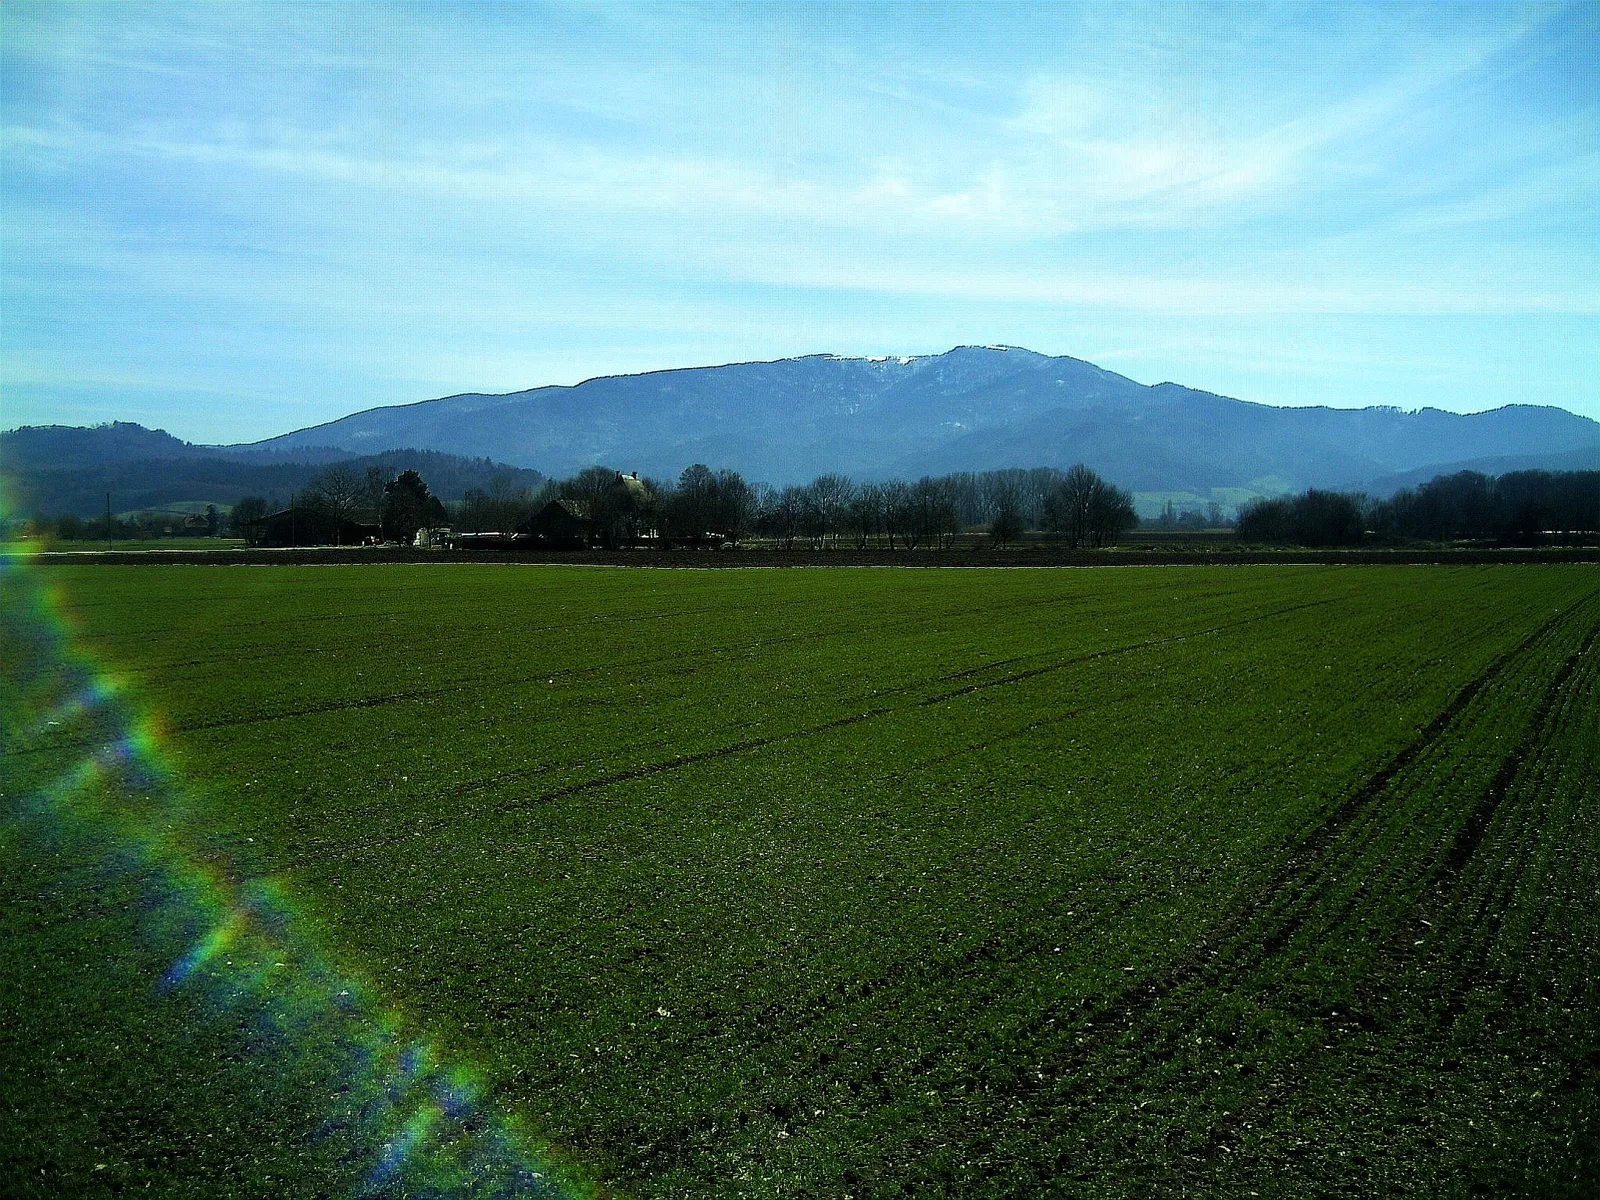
(972, 407)
(522, 393)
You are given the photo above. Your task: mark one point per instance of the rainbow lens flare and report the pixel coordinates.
(425, 1125)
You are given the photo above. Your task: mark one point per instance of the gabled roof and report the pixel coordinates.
(299, 512)
(575, 509)
(634, 485)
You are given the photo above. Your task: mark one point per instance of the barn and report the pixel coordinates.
(300, 526)
(561, 524)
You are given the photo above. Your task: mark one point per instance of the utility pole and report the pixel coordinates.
(108, 522)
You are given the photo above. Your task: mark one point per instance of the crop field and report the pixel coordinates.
(1213, 881)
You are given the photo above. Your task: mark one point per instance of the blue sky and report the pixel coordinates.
(230, 221)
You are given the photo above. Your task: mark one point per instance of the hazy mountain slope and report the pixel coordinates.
(60, 446)
(971, 408)
(1179, 438)
(56, 447)
(1500, 464)
(1169, 442)
(157, 482)
(781, 420)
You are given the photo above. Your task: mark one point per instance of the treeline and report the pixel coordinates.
(703, 505)
(1522, 508)
(155, 483)
(144, 525)
(394, 506)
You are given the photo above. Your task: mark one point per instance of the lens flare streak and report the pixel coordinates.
(426, 1125)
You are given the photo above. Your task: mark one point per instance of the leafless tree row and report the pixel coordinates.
(831, 511)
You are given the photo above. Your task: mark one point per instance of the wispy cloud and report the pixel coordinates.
(374, 189)
(1175, 292)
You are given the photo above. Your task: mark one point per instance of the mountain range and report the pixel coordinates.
(971, 408)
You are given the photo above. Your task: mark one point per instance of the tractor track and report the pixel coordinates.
(1098, 1027)
(480, 684)
(685, 760)
(1249, 937)
(1114, 651)
(1441, 899)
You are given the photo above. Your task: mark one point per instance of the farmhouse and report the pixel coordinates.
(300, 526)
(612, 512)
(632, 487)
(561, 524)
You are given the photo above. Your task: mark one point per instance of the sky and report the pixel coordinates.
(230, 221)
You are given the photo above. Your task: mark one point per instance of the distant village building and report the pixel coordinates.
(612, 513)
(560, 525)
(307, 527)
(633, 487)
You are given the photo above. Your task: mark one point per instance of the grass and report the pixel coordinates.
(91, 546)
(1269, 881)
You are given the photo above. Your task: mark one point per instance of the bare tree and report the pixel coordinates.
(1110, 514)
(338, 493)
(1087, 510)
(763, 499)
(813, 523)
(377, 484)
(247, 517)
(944, 510)
(830, 494)
(735, 505)
(693, 510)
(1068, 507)
(865, 513)
(1005, 499)
(611, 503)
(787, 514)
(896, 511)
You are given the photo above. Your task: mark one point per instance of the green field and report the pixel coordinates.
(125, 545)
(1213, 881)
